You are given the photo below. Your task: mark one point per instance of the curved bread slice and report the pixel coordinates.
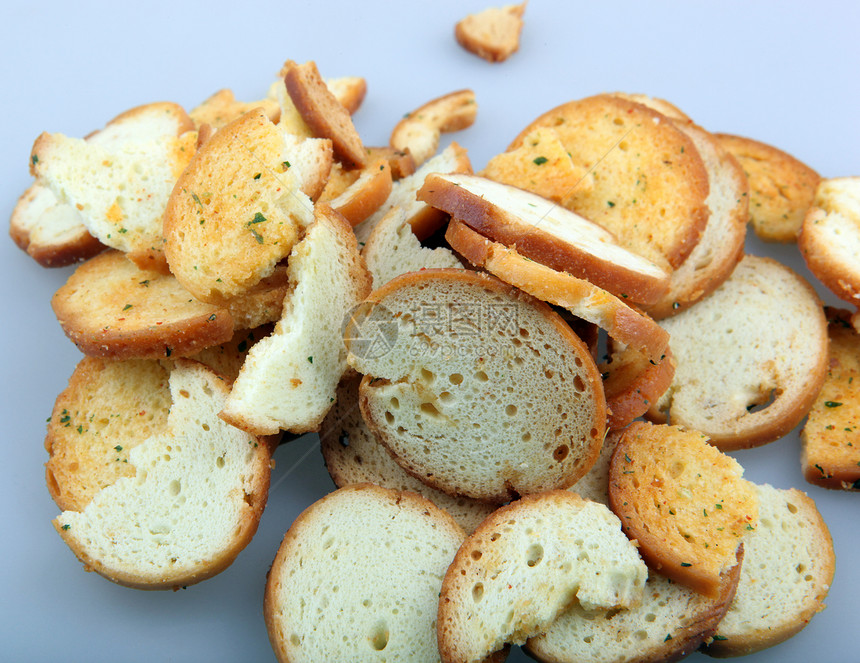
(289, 379)
(545, 233)
(366, 194)
(781, 187)
(632, 382)
(476, 388)
(525, 564)
(336, 593)
(492, 34)
(580, 297)
(683, 500)
(419, 131)
(829, 238)
(222, 107)
(352, 455)
(786, 575)
(646, 184)
(194, 502)
(830, 455)
(751, 357)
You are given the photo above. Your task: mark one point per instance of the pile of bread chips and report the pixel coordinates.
(252, 271)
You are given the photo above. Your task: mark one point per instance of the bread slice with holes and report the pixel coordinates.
(683, 500)
(192, 503)
(525, 564)
(751, 357)
(492, 34)
(289, 379)
(338, 592)
(475, 387)
(787, 572)
(546, 233)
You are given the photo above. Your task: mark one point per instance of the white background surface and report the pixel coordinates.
(785, 73)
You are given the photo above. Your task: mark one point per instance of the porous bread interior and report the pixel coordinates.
(340, 592)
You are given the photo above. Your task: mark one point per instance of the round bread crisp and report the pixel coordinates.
(646, 183)
(632, 382)
(751, 357)
(357, 578)
(476, 388)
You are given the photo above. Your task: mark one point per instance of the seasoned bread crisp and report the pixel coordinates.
(632, 383)
(546, 233)
(366, 194)
(193, 503)
(786, 575)
(357, 578)
(829, 238)
(237, 210)
(751, 357)
(781, 187)
(525, 564)
(222, 108)
(646, 182)
(492, 34)
(476, 388)
(352, 455)
(580, 297)
(419, 131)
(393, 249)
(289, 378)
(830, 454)
(683, 500)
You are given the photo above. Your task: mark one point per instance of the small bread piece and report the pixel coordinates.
(492, 34)
(366, 195)
(352, 455)
(323, 113)
(781, 187)
(348, 90)
(751, 357)
(335, 593)
(120, 179)
(424, 219)
(648, 183)
(683, 500)
(222, 108)
(401, 162)
(289, 379)
(419, 131)
(786, 575)
(194, 502)
(830, 455)
(525, 564)
(475, 387)
(632, 383)
(545, 233)
(829, 238)
(582, 298)
(393, 249)
(237, 210)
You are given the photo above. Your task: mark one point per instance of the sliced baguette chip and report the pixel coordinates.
(492, 34)
(357, 577)
(684, 502)
(366, 194)
(419, 131)
(546, 233)
(476, 388)
(751, 357)
(525, 564)
(787, 572)
(194, 502)
(289, 379)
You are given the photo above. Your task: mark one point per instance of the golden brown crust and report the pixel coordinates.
(419, 131)
(632, 383)
(222, 107)
(400, 161)
(493, 34)
(366, 194)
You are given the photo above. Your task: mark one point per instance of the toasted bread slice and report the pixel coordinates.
(194, 501)
(323, 113)
(662, 106)
(419, 131)
(353, 455)
(222, 108)
(830, 237)
(236, 211)
(337, 591)
(545, 233)
(401, 162)
(831, 435)
(525, 564)
(751, 357)
(781, 187)
(492, 34)
(632, 383)
(348, 90)
(646, 184)
(393, 249)
(289, 379)
(476, 388)
(580, 297)
(786, 575)
(366, 194)
(684, 501)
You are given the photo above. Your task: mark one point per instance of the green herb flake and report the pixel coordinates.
(258, 218)
(720, 637)
(66, 417)
(258, 176)
(118, 447)
(145, 283)
(285, 164)
(610, 203)
(196, 199)
(35, 159)
(832, 404)
(126, 307)
(65, 527)
(686, 564)
(80, 429)
(539, 161)
(668, 637)
(311, 359)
